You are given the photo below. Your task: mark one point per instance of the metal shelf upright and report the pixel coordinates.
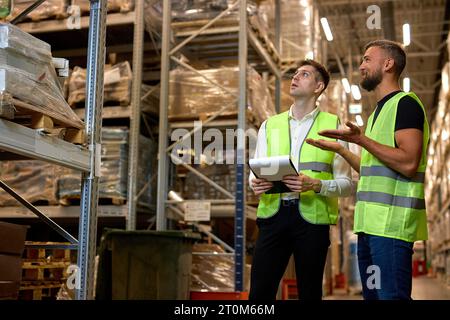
(168, 55)
(33, 144)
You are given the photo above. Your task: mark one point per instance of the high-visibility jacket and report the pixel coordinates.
(313, 162)
(388, 203)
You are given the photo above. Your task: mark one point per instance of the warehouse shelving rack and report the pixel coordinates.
(131, 112)
(33, 144)
(239, 34)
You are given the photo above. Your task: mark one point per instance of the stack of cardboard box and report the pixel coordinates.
(12, 243)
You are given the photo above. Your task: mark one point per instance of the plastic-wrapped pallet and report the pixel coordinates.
(191, 10)
(222, 174)
(299, 27)
(26, 62)
(211, 272)
(147, 168)
(153, 15)
(114, 168)
(191, 95)
(32, 179)
(113, 5)
(187, 10)
(48, 9)
(117, 84)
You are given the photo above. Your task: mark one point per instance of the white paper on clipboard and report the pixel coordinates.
(273, 168)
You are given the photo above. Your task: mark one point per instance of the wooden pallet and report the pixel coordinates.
(39, 292)
(112, 103)
(32, 117)
(75, 200)
(54, 16)
(35, 254)
(39, 273)
(85, 10)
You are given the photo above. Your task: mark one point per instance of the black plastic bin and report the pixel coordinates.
(145, 264)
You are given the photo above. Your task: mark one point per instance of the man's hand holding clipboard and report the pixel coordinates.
(278, 175)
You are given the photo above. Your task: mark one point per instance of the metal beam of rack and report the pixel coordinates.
(138, 46)
(33, 144)
(163, 159)
(61, 212)
(89, 193)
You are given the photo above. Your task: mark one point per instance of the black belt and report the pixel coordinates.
(290, 202)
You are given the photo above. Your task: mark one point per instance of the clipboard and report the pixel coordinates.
(273, 169)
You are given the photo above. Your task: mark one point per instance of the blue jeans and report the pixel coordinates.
(385, 266)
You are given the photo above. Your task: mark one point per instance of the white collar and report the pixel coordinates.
(312, 114)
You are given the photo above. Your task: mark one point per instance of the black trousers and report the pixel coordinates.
(280, 236)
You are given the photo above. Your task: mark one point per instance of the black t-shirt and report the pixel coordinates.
(409, 113)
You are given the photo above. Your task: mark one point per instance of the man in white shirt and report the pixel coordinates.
(297, 222)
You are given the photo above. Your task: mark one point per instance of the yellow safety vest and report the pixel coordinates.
(388, 203)
(313, 162)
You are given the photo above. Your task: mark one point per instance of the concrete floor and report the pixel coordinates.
(424, 288)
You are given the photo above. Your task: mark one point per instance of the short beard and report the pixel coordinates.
(370, 83)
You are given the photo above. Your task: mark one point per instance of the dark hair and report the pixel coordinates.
(394, 50)
(322, 74)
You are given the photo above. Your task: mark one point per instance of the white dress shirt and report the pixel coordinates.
(342, 183)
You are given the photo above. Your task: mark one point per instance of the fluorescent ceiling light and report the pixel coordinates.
(326, 29)
(355, 92)
(406, 84)
(346, 85)
(359, 120)
(406, 34)
(355, 108)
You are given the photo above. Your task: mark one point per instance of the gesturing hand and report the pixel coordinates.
(325, 144)
(301, 183)
(352, 134)
(261, 185)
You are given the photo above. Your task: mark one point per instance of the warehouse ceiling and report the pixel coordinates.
(429, 21)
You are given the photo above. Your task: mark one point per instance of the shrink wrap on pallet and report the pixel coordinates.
(192, 95)
(117, 84)
(32, 179)
(26, 62)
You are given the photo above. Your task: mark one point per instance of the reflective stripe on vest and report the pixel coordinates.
(315, 166)
(313, 162)
(380, 171)
(391, 200)
(388, 203)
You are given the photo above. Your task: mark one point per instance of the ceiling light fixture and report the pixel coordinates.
(355, 92)
(406, 34)
(326, 29)
(346, 85)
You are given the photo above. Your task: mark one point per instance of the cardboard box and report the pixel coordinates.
(10, 267)
(9, 289)
(12, 238)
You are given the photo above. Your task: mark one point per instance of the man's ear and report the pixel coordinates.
(389, 65)
(320, 86)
